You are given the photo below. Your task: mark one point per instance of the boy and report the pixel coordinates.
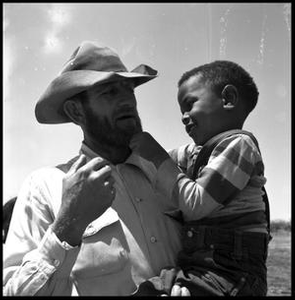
(225, 234)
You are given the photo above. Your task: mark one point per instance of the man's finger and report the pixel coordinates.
(103, 173)
(77, 164)
(95, 164)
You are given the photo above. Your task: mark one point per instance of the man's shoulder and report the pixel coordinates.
(51, 171)
(43, 173)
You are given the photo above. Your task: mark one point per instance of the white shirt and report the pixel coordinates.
(131, 242)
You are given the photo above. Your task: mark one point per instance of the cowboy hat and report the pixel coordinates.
(89, 64)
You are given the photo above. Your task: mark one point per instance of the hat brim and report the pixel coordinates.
(49, 108)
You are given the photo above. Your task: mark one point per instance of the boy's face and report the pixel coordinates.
(202, 110)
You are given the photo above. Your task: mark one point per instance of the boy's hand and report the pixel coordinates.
(147, 147)
(180, 291)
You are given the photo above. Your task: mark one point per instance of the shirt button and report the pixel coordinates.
(138, 199)
(153, 239)
(211, 246)
(43, 277)
(34, 269)
(189, 233)
(56, 262)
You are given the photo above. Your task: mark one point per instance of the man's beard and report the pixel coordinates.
(109, 134)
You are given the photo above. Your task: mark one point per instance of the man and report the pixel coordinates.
(95, 225)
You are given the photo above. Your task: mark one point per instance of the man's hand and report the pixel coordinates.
(147, 147)
(87, 192)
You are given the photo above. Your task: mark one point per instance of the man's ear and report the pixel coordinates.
(229, 96)
(73, 109)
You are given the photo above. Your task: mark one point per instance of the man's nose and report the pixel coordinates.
(185, 118)
(126, 96)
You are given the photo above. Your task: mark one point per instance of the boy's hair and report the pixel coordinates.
(220, 73)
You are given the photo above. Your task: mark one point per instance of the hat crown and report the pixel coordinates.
(91, 56)
(89, 64)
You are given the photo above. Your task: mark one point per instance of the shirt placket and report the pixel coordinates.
(138, 202)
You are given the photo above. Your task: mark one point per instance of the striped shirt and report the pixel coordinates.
(229, 185)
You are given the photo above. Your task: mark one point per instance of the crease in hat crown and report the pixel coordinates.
(90, 63)
(92, 56)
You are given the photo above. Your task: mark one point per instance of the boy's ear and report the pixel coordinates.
(73, 109)
(229, 96)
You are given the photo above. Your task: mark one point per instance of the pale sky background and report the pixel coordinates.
(170, 37)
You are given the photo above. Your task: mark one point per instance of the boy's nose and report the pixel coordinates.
(185, 119)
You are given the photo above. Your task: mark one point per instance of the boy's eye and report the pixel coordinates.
(188, 104)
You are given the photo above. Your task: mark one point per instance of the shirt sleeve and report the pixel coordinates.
(35, 263)
(229, 169)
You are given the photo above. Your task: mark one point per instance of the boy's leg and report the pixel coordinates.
(201, 281)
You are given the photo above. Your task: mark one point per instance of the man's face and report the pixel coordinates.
(111, 113)
(202, 110)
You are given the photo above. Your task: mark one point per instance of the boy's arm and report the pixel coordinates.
(227, 172)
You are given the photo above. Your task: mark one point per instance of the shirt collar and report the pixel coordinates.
(87, 152)
(147, 167)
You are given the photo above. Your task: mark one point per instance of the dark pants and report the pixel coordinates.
(215, 262)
